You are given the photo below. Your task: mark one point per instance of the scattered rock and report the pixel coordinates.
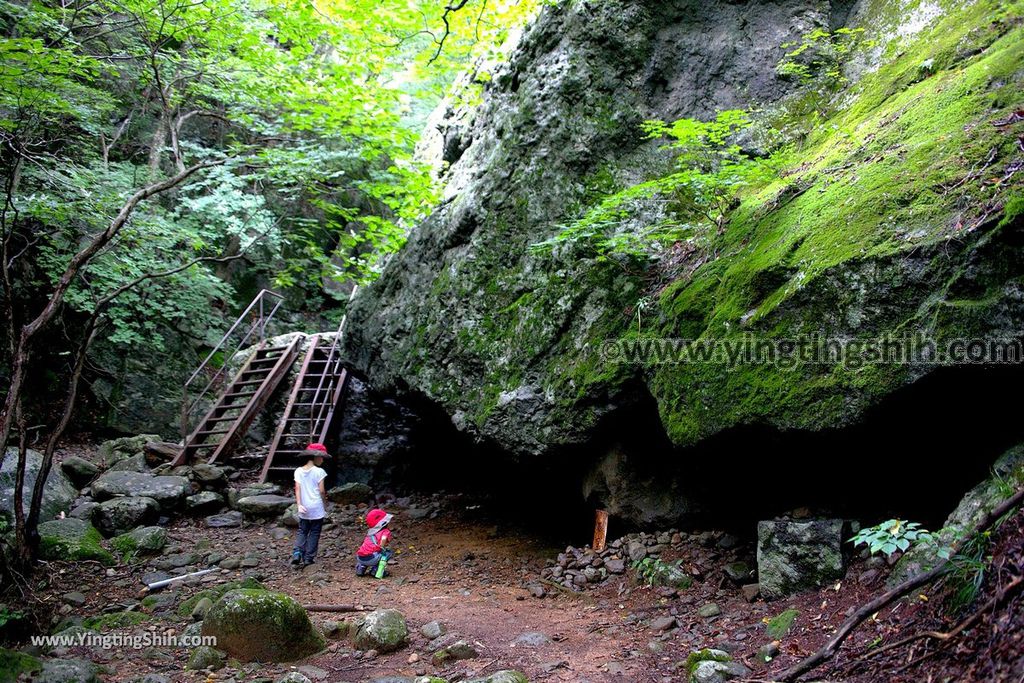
(205, 657)
(210, 476)
(458, 650)
(202, 607)
(85, 510)
(74, 599)
(432, 630)
(505, 676)
(709, 610)
(228, 519)
(779, 626)
(751, 591)
(663, 623)
(116, 450)
(739, 572)
(532, 639)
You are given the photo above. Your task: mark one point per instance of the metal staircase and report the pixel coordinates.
(312, 405)
(227, 421)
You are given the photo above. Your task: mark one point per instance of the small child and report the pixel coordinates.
(310, 497)
(372, 550)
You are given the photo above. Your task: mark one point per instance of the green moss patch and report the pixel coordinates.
(215, 594)
(13, 664)
(72, 540)
(777, 627)
(115, 620)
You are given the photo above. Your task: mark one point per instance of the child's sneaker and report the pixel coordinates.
(360, 570)
(296, 558)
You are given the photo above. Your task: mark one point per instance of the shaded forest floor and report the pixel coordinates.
(457, 563)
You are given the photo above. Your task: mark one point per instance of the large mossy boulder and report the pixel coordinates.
(383, 630)
(115, 450)
(260, 626)
(168, 491)
(795, 556)
(120, 515)
(58, 494)
(13, 664)
(71, 539)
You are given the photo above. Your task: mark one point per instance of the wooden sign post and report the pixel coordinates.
(600, 530)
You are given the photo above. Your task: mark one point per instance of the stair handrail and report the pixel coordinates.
(318, 407)
(262, 301)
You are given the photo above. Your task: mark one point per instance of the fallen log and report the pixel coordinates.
(338, 608)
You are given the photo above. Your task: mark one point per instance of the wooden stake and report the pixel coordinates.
(600, 530)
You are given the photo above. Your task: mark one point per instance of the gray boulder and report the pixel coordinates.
(136, 463)
(260, 626)
(350, 493)
(205, 657)
(67, 671)
(264, 505)
(228, 519)
(79, 470)
(120, 515)
(210, 476)
(168, 491)
(58, 494)
(794, 556)
(383, 630)
(204, 502)
(503, 676)
(85, 510)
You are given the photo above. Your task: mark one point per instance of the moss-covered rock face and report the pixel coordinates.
(895, 212)
(14, 663)
(261, 626)
(72, 539)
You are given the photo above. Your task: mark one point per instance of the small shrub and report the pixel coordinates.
(893, 535)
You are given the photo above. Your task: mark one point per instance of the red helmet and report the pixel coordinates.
(375, 516)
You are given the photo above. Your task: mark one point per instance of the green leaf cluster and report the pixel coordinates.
(891, 536)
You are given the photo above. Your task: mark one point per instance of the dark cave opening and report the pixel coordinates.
(913, 456)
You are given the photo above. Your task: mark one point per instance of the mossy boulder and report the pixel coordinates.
(383, 630)
(141, 541)
(72, 539)
(115, 450)
(186, 608)
(798, 555)
(13, 664)
(713, 666)
(503, 676)
(261, 626)
(115, 620)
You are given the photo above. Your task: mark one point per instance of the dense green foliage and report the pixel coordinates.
(306, 109)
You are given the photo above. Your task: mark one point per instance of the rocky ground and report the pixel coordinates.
(480, 597)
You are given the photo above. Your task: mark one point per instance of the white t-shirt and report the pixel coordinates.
(309, 491)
